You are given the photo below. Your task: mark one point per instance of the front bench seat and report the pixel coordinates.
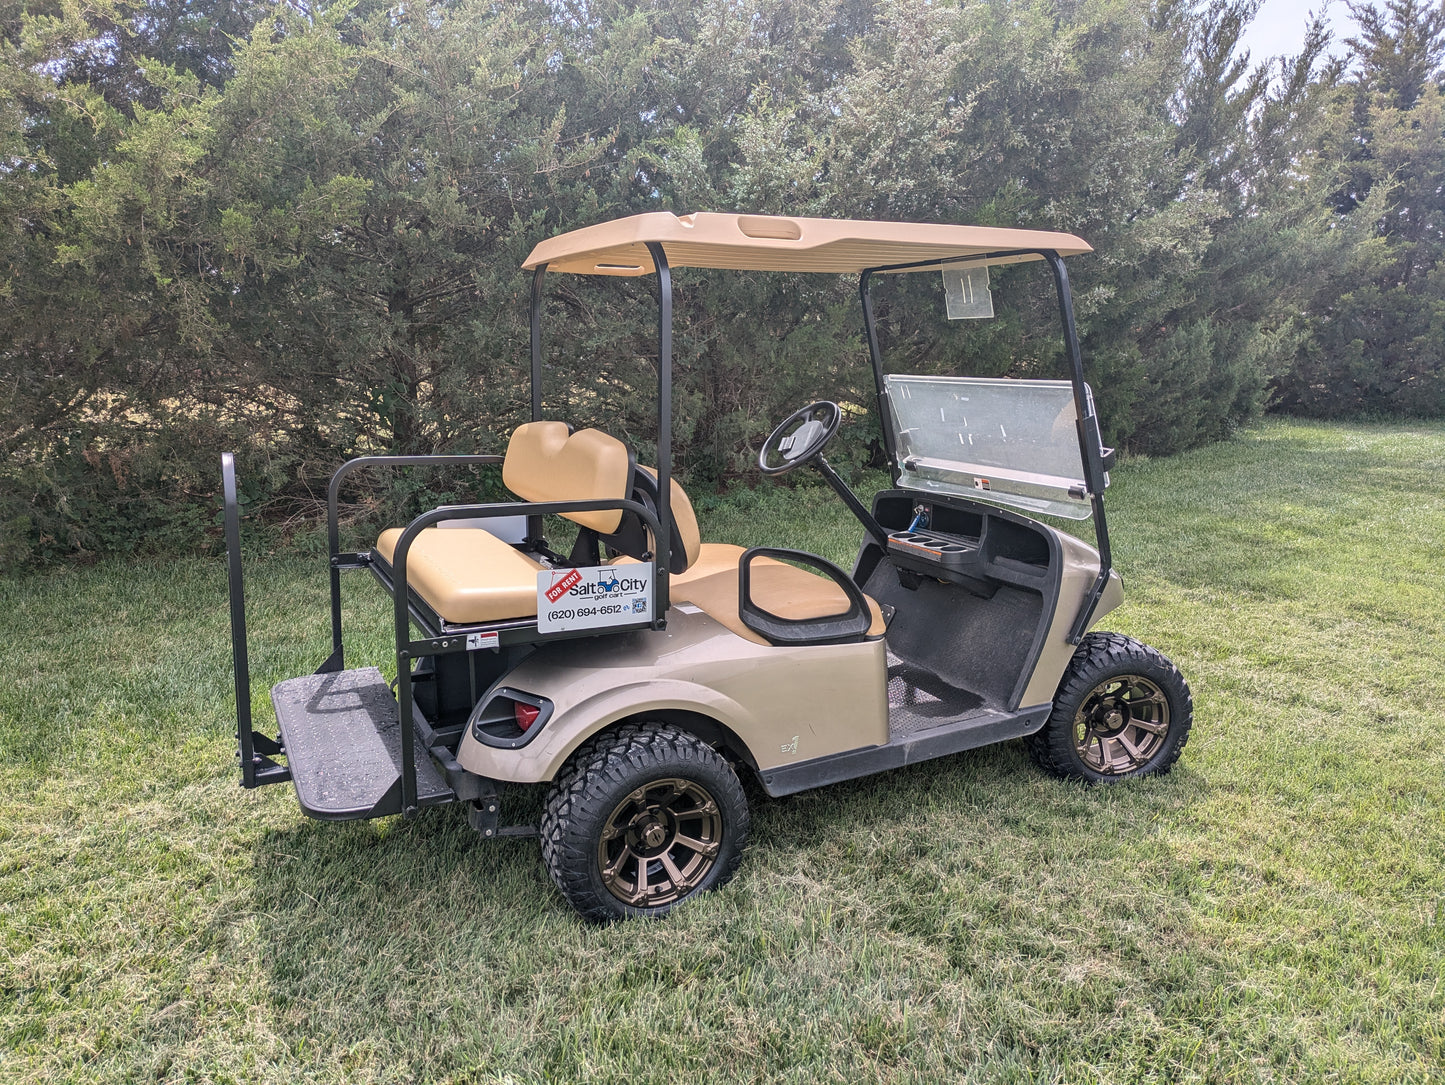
(710, 580)
(468, 576)
(779, 588)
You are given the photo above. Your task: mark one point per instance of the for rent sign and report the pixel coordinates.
(560, 587)
(593, 597)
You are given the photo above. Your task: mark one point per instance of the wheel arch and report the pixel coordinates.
(696, 709)
(707, 728)
(702, 726)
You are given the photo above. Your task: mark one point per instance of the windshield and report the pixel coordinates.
(1011, 442)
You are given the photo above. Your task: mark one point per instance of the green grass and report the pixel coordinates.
(1272, 911)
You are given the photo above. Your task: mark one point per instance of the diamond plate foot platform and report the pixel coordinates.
(343, 744)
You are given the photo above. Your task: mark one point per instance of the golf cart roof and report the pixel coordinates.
(783, 243)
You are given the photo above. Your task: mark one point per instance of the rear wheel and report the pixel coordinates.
(1122, 710)
(641, 819)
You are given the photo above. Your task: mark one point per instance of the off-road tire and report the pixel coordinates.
(1102, 659)
(597, 783)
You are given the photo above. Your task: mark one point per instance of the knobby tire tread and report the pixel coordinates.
(1051, 747)
(589, 781)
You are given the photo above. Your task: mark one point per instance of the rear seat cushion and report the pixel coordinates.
(467, 575)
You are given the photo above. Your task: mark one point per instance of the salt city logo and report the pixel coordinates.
(609, 584)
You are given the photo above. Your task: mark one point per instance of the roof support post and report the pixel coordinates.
(661, 554)
(534, 523)
(1090, 445)
(537, 342)
(875, 355)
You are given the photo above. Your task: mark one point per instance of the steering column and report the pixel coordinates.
(799, 440)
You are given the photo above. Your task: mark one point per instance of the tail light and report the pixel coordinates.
(509, 718)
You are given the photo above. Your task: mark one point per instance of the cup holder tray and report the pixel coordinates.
(950, 551)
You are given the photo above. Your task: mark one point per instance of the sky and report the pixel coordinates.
(1279, 28)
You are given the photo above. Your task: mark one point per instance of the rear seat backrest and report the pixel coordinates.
(545, 462)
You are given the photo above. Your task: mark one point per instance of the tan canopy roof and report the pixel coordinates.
(779, 243)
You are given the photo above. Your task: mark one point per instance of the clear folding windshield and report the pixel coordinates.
(1011, 442)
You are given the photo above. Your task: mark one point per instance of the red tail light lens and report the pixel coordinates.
(526, 714)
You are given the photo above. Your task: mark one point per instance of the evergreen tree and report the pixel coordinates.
(296, 230)
(1375, 343)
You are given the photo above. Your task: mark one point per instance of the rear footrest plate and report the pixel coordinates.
(343, 744)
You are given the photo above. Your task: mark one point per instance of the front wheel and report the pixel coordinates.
(640, 820)
(1122, 710)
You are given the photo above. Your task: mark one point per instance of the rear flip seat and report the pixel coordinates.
(468, 576)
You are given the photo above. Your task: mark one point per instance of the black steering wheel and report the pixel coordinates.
(801, 437)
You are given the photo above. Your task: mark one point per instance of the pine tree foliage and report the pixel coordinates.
(1377, 318)
(295, 230)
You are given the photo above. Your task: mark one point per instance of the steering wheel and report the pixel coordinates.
(801, 437)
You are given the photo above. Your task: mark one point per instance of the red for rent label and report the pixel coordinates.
(562, 584)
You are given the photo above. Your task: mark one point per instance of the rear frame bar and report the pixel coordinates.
(256, 750)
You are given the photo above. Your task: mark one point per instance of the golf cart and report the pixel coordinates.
(637, 676)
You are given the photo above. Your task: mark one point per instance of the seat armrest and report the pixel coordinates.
(849, 625)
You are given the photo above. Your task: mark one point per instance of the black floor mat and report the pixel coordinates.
(919, 699)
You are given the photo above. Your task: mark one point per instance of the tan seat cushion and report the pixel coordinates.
(467, 575)
(684, 519)
(712, 558)
(711, 585)
(546, 463)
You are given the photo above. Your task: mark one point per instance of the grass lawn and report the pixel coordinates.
(1273, 910)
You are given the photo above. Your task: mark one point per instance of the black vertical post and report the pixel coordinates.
(239, 656)
(534, 523)
(337, 660)
(401, 613)
(875, 355)
(1089, 445)
(662, 556)
(537, 342)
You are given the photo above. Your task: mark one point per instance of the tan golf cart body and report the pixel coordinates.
(781, 704)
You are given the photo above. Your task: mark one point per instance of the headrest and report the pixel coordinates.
(546, 462)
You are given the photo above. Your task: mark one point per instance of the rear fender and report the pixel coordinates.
(575, 720)
(776, 704)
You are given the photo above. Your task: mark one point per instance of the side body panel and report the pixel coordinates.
(785, 704)
(1080, 568)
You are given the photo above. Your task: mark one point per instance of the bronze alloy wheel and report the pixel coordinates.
(660, 842)
(1122, 711)
(643, 818)
(1121, 725)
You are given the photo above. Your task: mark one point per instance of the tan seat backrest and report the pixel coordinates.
(684, 519)
(546, 463)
